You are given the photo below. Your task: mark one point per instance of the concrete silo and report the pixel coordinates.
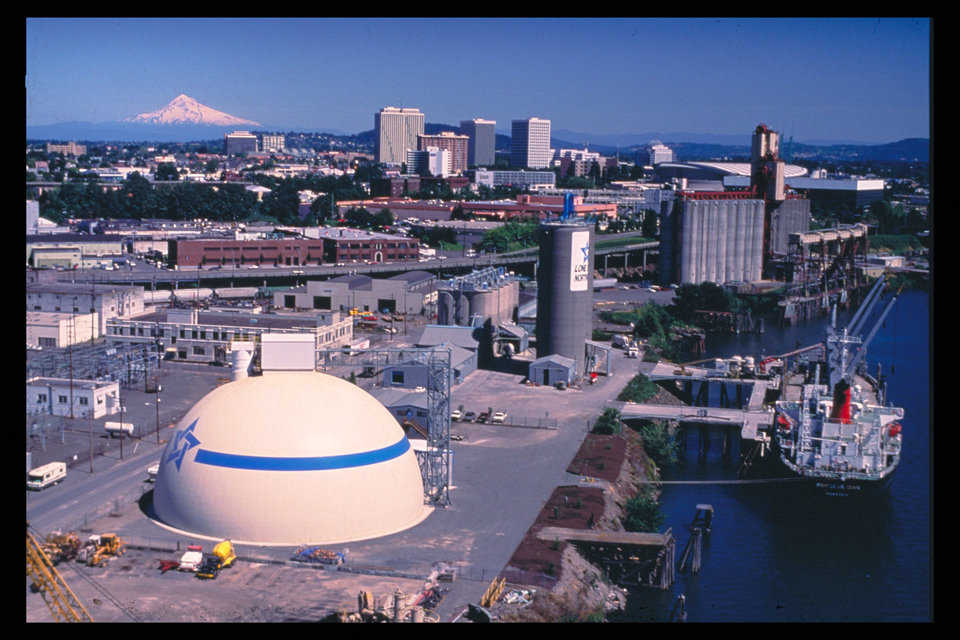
(565, 290)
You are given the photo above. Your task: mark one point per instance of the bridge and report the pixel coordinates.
(749, 422)
(195, 277)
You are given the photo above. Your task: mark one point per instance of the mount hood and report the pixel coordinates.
(185, 110)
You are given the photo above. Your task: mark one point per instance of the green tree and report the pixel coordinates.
(643, 512)
(382, 219)
(608, 423)
(167, 171)
(658, 442)
(282, 203)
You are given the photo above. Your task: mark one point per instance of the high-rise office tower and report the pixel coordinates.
(240, 142)
(395, 133)
(483, 141)
(455, 144)
(530, 143)
(659, 152)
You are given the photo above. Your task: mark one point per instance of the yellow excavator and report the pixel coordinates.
(61, 600)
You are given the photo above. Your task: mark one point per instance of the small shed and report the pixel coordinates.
(553, 369)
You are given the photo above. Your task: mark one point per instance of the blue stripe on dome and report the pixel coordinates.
(261, 463)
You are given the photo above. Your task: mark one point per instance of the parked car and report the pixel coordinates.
(469, 416)
(498, 417)
(456, 414)
(483, 417)
(456, 436)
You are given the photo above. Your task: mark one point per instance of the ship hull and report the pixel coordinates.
(826, 486)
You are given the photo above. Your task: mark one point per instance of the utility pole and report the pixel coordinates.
(90, 415)
(159, 389)
(121, 422)
(73, 332)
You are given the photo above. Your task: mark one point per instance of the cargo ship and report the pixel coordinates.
(840, 436)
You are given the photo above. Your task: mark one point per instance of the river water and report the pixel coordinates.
(775, 558)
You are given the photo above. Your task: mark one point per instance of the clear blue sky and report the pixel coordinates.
(847, 79)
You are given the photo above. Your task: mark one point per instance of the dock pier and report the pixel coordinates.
(627, 558)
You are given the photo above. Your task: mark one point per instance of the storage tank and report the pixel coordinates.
(446, 308)
(462, 301)
(240, 358)
(565, 290)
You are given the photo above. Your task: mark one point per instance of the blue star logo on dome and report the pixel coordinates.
(183, 441)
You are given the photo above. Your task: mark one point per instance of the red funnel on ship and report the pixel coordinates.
(841, 402)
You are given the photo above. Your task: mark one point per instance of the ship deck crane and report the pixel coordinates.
(61, 600)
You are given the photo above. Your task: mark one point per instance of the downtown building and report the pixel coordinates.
(455, 145)
(274, 143)
(482, 141)
(395, 132)
(530, 144)
(239, 142)
(431, 161)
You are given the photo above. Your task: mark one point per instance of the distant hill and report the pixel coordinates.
(687, 146)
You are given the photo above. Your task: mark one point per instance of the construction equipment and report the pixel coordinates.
(61, 546)
(222, 557)
(61, 600)
(316, 554)
(100, 547)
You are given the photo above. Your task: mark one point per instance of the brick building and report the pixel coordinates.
(331, 246)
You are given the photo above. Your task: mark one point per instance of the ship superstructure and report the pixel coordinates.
(840, 435)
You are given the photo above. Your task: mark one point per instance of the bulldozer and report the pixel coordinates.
(99, 548)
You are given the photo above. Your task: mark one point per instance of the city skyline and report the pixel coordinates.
(864, 80)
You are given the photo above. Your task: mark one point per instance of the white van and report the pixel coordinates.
(46, 475)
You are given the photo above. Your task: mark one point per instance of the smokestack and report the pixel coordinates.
(841, 402)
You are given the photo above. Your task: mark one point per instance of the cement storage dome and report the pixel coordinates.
(289, 458)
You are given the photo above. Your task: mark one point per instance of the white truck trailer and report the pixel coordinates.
(118, 429)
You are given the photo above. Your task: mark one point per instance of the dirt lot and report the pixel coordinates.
(132, 588)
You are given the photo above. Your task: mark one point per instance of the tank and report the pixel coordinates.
(240, 359)
(446, 308)
(565, 290)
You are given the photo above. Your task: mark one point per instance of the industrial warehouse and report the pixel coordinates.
(389, 433)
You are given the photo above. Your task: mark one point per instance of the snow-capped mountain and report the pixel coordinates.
(185, 110)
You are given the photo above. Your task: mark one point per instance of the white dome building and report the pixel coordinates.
(289, 458)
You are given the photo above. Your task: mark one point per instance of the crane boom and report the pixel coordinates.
(865, 307)
(61, 600)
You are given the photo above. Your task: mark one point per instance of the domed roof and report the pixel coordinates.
(289, 458)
